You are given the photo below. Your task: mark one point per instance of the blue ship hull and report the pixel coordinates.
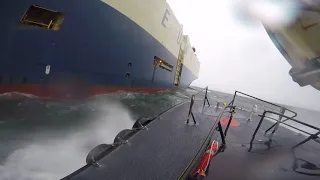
(96, 47)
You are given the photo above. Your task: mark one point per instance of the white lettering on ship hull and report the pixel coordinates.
(165, 18)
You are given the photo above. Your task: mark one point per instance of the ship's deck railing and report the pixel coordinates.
(192, 102)
(282, 118)
(215, 127)
(281, 114)
(264, 101)
(218, 125)
(282, 111)
(279, 121)
(313, 136)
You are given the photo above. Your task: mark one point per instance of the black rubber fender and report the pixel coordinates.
(123, 136)
(142, 121)
(96, 153)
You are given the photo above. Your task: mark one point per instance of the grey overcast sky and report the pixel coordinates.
(238, 57)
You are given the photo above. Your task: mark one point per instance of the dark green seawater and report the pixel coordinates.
(47, 140)
(42, 139)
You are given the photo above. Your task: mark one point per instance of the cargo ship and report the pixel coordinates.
(76, 49)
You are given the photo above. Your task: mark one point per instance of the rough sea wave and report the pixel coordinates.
(43, 139)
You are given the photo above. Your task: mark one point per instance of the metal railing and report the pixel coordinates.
(312, 169)
(267, 102)
(278, 121)
(215, 127)
(230, 106)
(311, 136)
(282, 110)
(192, 103)
(315, 137)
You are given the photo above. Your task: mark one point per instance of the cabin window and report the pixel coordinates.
(42, 17)
(162, 64)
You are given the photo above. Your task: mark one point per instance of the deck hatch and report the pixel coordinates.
(42, 17)
(162, 64)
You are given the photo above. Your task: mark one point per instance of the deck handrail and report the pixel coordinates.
(215, 127)
(192, 102)
(283, 110)
(238, 92)
(206, 88)
(292, 119)
(312, 136)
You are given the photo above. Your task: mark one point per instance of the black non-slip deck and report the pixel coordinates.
(161, 152)
(167, 147)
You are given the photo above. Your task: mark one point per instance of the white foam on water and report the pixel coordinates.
(121, 94)
(181, 95)
(190, 90)
(54, 158)
(17, 95)
(130, 95)
(97, 96)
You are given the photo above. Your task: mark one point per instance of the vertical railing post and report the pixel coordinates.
(254, 110)
(282, 111)
(232, 110)
(190, 110)
(206, 98)
(217, 106)
(285, 109)
(222, 136)
(256, 130)
(234, 97)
